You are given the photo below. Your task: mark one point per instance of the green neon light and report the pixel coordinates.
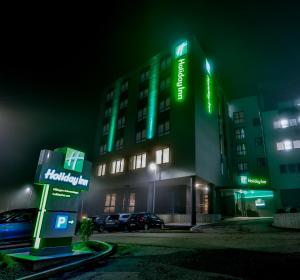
(208, 87)
(152, 98)
(42, 211)
(180, 72)
(114, 115)
(255, 194)
(246, 180)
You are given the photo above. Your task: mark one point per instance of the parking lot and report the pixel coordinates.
(242, 249)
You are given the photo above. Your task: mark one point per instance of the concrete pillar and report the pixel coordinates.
(193, 199)
(211, 199)
(150, 197)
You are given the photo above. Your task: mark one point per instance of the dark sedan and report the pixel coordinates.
(17, 224)
(143, 221)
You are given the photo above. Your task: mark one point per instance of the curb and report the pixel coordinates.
(67, 267)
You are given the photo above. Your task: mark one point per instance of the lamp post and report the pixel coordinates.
(153, 167)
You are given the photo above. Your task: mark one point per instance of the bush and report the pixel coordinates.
(86, 229)
(293, 210)
(280, 211)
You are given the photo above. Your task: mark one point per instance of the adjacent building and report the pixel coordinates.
(170, 142)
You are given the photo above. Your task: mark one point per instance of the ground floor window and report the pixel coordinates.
(110, 203)
(203, 205)
(131, 203)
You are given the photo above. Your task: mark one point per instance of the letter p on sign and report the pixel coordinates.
(61, 222)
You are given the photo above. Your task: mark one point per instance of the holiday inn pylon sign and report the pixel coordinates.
(61, 176)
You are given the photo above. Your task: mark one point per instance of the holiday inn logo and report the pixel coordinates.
(74, 160)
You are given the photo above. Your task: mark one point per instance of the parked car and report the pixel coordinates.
(17, 224)
(99, 222)
(123, 218)
(143, 221)
(110, 222)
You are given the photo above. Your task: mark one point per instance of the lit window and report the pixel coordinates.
(131, 203)
(284, 123)
(103, 149)
(138, 161)
(117, 166)
(280, 146)
(101, 169)
(296, 144)
(288, 145)
(110, 203)
(119, 143)
(140, 136)
(241, 149)
(239, 133)
(277, 124)
(162, 156)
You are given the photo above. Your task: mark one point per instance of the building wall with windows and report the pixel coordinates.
(282, 133)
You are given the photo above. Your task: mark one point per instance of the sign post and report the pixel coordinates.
(61, 175)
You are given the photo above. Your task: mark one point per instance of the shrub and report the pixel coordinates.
(86, 229)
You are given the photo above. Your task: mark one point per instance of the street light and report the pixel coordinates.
(28, 190)
(153, 167)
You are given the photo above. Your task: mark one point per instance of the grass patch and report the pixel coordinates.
(7, 262)
(89, 246)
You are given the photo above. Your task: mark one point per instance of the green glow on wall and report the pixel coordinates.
(39, 222)
(253, 181)
(209, 96)
(180, 71)
(257, 194)
(114, 116)
(152, 98)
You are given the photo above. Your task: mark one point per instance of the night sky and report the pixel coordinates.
(55, 60)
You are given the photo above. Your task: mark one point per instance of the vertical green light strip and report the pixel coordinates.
(42, 211)
(209, 96)
(152, 98)
(114, 116)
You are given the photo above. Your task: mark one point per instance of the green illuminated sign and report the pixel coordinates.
(74, 160)
(152, 98)
(208, 86)
(246, 180)
(114, 115)
(181, 63)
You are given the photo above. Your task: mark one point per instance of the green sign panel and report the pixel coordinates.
(74, 160)
(181, 65)
(252, 181)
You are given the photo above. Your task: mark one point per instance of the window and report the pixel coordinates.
(123, 103)
(241, 149)
(239, 133)
(144, 76)
(121, 122)
(258, 141)
(131, 203)
(283, 168)
(285, 145)
(101, 169)
(140, 136)
(238, 117)
(107, 112)
(142, 114)
(103, 149)
(138, 161)
(292, 168)
(162, 156)
(109, 95)
(163, 128)
(242, 166)
(124, 86)
(165, 83)
(261, 162)
(143, 93)
(296, 144)
(165, 63)
(117, 166)
(277, 124)
(164, 104)
(284, 123)
(105, 129)
(119, 143)
(256, 122)
(292, 122)
(110, 203)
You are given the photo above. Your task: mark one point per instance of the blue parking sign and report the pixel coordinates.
(61, 222)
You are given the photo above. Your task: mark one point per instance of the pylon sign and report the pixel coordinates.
(61, 175)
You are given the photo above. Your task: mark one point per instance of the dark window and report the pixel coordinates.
(119, 143)
(292, 168)
(163, 128)
(241, 149)
(144, 75)
(239, 133)
(283, 168)
(109, 95)
(121, 122)
(261, 162)
(124, 86)
(256, 122)
(242, 166)
(258, 141)
(164, 104)
(165, 63)
(298, 167)
(238, 117)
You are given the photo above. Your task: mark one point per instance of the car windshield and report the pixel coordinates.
(113, 217)
(6, 215)
(124, 216)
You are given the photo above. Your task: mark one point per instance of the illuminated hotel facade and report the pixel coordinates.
(170, 114)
